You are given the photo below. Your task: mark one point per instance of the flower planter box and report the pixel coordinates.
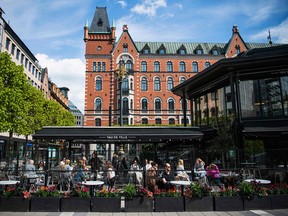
(279, 201)
(169, 204)
(233, 203)
(15, 204)
(45, 204)
(196, 204)
(105, 204)
(75, 204)
(258, 203)
(139, 204)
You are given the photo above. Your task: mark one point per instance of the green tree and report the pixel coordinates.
(223, 140)
(13, 106)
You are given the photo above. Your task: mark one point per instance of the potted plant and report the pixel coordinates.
(168, 200)
(198, 198)
(254, 196)
(45, 199)
(228, 199)
(137, 198)
(278, 195)
(106, 200)
(77, 200)
(14, 198)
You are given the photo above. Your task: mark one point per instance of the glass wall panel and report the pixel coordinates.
(284, 87)
(249, 99)
(271, 97)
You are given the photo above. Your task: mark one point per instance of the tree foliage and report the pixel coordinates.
(23, 108)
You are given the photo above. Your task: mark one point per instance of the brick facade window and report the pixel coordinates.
(182, 66)
(158, 105)
(144, 66)
(98, 83)
(157, 84)
(169, 66)
(156, 66)
(194, 67)
(144, 84)
(170, 83)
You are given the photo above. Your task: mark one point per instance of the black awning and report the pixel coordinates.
(119, 134)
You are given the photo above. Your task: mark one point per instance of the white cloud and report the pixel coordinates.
(279, 33)
(180, 6)
(122, 3)
(149, 7)
(67, 73)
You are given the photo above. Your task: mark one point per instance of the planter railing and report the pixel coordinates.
(161, 204)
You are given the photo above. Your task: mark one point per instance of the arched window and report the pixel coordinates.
(156, 66)
(161, 51)
(169, 66)
(144, 66)
(182, 66)
(97, 121)
(182, 79)
(207, 64)
(144, 84)
(103, 66)
(171, 105)
(182, 52)
(158, 121)
(144, 105)
(98, 105)
(157, 84)
(125, 106)
(215, 52)
(125, 86)
(129, 65)
(145, 51)
(157, 105)
(194, 67)
(144, 121)
(171, 121)
(98, 83)
(170, 83)
(237, 47)
(199, 52)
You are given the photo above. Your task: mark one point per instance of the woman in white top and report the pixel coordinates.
(181, 174)
(110, 175)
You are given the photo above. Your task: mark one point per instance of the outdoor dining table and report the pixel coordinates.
(92, 184)
(9, 182)
(260, 181)
(182, 184)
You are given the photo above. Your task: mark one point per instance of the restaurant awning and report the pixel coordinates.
(119, 134)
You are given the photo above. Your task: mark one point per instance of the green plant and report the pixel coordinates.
(78, 191)
(167, 193)
(104, 192)
(47, 192)
(15, 191)
(130, 191)
(197, 190)
(246, 190)
(229, 191)
(277, 189)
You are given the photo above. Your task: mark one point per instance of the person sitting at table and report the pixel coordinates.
(151, 176)
(199, 168)
(212, 172)
(135, 172)
(111, 177)
(181, 174)
(79, 173)
(30, 169)
(168, 176)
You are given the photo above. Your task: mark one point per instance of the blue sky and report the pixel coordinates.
(53, 29)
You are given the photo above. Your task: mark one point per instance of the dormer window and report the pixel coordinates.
(100, 22)
(215, 52)
(161, 51)
(182, 52)
(199, 52)
(145, 51)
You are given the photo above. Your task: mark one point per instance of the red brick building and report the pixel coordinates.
(152, 70)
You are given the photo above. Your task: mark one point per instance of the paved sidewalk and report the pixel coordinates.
(277, 212)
